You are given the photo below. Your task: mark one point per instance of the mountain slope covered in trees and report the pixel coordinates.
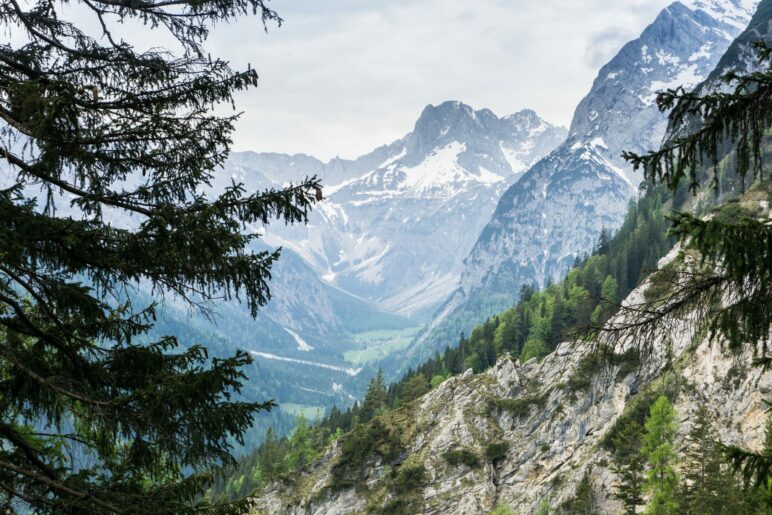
(524, 432)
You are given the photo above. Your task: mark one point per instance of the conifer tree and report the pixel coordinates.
(661, 478)
(375, 398)
(93, 417)
(271, 456)
(301, 446)
(526, 292)
(412, 388)
(735, 246)
(457, 359)
(557, 321)
(603, 241)
(608, 290)
(709, 486)
(629, 463)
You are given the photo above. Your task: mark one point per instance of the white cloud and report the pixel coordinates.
(341, 77)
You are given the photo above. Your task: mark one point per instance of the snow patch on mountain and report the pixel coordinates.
(686, 77)
(703, 53)
(736, 13)
(302, 344)
(267, 355)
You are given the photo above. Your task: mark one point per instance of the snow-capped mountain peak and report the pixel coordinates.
(556, 210)
(680, 48)
(732, 12)
(396, 225)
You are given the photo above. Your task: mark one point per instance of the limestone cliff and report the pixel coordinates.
(522, 433)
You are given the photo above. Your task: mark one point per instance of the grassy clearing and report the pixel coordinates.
(372, 345)
(309, 412)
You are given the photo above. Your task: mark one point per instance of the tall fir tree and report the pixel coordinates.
(375, 398)
(271, 456)
(603, 241)
(735, 245)
(301, 445)
(629, 465)
(661, 479)
(709, 486)
(93, 126)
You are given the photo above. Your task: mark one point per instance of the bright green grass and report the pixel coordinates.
(309, 412)
(374, 345)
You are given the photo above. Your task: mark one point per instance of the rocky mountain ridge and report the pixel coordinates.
(396, 223)
(557, 209)
(550, 421)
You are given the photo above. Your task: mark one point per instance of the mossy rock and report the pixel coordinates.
(496, 450)
(365, 444)
(408, 478)
(593, 363)
(461, 456)
(519, 407)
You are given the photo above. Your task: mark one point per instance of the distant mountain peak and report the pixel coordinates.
(523, 114)
(679, 48)
(481, 130)
(732, 12)
(441, 124)
(397, 222)
(450, 110)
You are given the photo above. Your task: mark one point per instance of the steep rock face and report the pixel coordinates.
(554, 429)
(397, 223)
(558, 208)
(680, 48)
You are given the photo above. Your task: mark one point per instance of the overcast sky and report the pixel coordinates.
(341, 77)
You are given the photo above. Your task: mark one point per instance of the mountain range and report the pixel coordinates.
(524, 433)
(397, 223)
(439, 229)
(345, 291)
(557, 209)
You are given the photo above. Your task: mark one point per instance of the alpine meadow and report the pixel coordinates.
(563, 310)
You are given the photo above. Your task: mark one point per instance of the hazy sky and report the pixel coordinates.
(341, 77)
